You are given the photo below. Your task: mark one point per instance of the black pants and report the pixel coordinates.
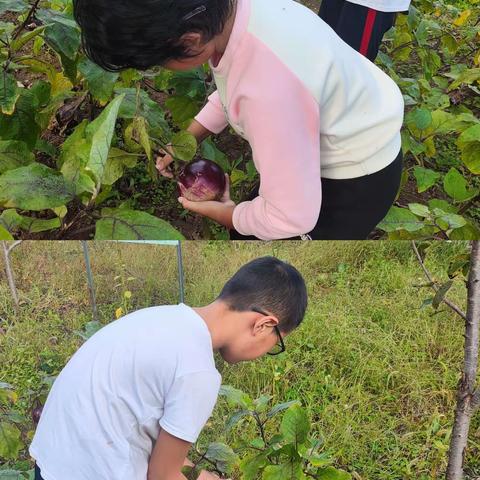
(38, 476)
(351, 208)
(361, 27)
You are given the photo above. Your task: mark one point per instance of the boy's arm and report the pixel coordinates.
(168, 458)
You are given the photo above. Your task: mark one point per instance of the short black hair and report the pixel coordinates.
(271, 285)
(141, 34)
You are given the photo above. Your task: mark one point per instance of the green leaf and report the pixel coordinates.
(449, 221)
(10, 442)
(442, 205)
(124, 224)
(262, 402)
(235, 418)
(418, 209)
(116, 162)
(469, 144)
(62, 32)
(9, 93)
(467, 232)
(90, 329)
(5, 234)
(100, 132)
(440, 294)
(140, 104)
(100, 82)
(289, 471)
(14, 154)
(183, 109)
(12, 221)
(250, 466)
(468, 76)
(331, 473)
(34, 187)
(426, 178)
(184, 145)
(235, 396)
(400, 219)
(281, 406)
(210, 151)
(455, 186)
(13, 6)
(295, 425)
(11, 475)
(219, 452)
(421, 117)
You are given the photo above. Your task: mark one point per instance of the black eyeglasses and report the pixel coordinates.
(280, 346)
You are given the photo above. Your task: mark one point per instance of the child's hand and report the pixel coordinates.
(220, 211)
(163, 161)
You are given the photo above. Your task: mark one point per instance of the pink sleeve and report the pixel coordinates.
(281, 121)
(212, 115)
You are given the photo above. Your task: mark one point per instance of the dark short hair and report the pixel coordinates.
(269, 284)
(119, 34)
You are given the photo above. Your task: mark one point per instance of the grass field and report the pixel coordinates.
(376, 372)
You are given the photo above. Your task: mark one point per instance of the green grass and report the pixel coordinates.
(376, 373)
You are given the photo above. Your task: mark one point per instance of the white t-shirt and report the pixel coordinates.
(385, 5)
(151, 369)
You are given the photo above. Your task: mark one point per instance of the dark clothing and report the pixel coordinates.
(38, 476)
(351, 208)
(361, 27)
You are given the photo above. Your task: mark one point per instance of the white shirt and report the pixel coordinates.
(385, 5)
(151, 369)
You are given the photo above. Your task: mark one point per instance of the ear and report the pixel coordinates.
(192, 41)
(261, 322)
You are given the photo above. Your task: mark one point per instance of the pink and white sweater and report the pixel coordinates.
(309, 105)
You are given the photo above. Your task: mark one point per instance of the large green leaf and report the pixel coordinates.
(100, 132)
(425, 177)
(331, 473)
(117, 161)
(140, 104)
(14, 154)
(456, 186)
(13, 6)
(5, 234)
(100, 82)
(12, 221)
(123, 224)
(34, 187)
(250, 466)
(235, 396)
(400, 219)
(288, 471)
(11, 475)
(23, 124)
(9, 92)
(219, 452)
(10, 442)
(280, 407)
(184, 145)
(469, 144)
(183, 109)
(295, 425)
(62, 32)
(467, 232)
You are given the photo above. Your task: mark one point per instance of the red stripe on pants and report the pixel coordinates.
(367, 32)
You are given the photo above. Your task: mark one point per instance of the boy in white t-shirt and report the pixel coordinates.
(132, 400)
(362, 23)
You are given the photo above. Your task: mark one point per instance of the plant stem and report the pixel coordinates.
(468, 398)
(434, 284)
(260, 425)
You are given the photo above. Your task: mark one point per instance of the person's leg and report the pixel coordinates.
(363, 28)
(38, 475)
(352, 208)
(330, 11)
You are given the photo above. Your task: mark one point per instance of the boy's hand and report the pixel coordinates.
(220, 211)
(163, 161)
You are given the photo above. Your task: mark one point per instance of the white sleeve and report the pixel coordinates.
(189, 404)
